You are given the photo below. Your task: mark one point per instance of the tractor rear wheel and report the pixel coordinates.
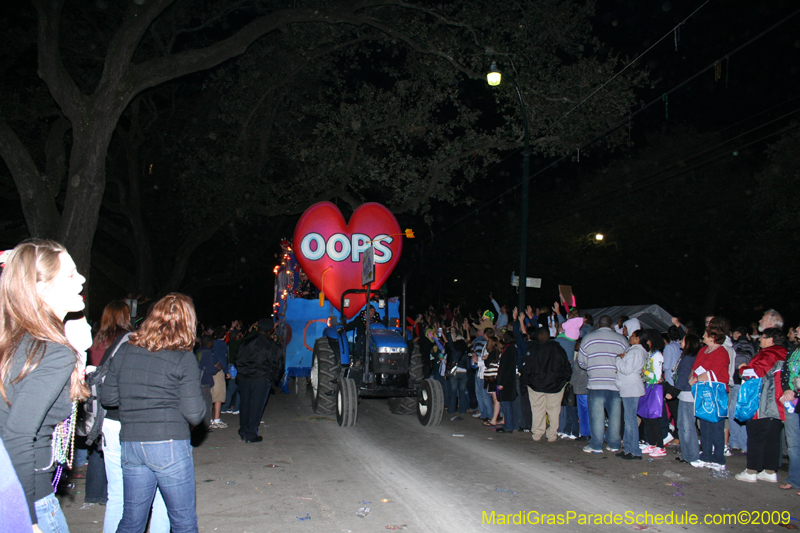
(346, 403)
(325, 371)
(430, 403)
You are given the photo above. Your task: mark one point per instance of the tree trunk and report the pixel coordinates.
(38, 205)
(192, 241)
(86, 183)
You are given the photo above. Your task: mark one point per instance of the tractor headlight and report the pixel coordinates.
(391, 349)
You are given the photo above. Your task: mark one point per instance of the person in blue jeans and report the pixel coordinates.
(231, 405)
(687, 422)
(597, 356)
(457, 358)
(39, 375)
(154, 379)
(629, 382)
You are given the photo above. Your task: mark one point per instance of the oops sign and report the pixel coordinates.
(330, 250)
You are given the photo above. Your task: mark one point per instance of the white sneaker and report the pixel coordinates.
(236, 412)
(476, 415)
(609, 448)
(669, 438)
(648, 450)
(571, 437)
(763, 476)
(563, 436)
(589, 449)
(699, 464)
(744, 476)
(728, 452)
(658, 452)
(643, 445)
(716, 466)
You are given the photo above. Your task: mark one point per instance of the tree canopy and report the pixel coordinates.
(205, 114)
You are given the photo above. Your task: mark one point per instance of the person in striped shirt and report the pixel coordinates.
(597, 356)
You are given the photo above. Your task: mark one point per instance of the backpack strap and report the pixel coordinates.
(95, 382)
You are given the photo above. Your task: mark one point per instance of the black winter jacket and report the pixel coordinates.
(158, 393)
(546, 368)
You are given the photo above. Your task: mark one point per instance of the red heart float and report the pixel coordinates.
(325, 244)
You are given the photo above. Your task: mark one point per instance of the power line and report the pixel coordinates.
(551, 217)
(674, 30)
(627, 119)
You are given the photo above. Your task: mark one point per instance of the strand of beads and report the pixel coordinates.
(63, 445)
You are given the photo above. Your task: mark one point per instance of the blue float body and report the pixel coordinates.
(308, 322)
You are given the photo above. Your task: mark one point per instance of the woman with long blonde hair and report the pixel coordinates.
(41, 375)
(155, 381)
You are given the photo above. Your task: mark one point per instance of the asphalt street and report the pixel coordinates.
(311, 475)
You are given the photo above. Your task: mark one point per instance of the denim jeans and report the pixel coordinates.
(516, 407)
(112, 452)
(167, 465)
(600, 402)
(96, 477)
(458, 392)
(738, 431)
(687, 431)
(254, 394)
(508, 415)
(583, 414)
(231, 397)
(631, 438)
(50, 516)
(792, 428)
(471, 378)
(568, 423)
(484, 400)
(526, 420)
(445, 385)
(712, 441)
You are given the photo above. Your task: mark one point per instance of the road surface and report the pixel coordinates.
(311, 475)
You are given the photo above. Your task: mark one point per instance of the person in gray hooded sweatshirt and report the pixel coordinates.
(631, 388)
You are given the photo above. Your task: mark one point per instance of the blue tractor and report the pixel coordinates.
(351, 361)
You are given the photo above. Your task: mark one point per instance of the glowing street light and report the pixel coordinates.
(493, 78)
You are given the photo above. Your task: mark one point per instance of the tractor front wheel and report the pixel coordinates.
(430, 403)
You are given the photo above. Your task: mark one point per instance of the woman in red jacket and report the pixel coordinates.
(764, 430)
(711, 364)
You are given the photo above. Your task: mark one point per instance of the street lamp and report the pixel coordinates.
(493, 78)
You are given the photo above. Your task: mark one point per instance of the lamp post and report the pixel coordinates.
(493, 78)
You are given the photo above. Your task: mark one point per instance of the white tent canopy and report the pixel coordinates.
(650, 316)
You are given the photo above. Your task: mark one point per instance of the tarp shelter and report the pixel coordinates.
(650, 316)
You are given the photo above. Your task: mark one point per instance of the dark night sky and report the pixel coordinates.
(761, 76)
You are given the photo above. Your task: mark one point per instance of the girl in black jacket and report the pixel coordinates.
(507, 381)
(41, 375)
(155, 381)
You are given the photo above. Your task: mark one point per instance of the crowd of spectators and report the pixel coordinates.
(620, 387)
